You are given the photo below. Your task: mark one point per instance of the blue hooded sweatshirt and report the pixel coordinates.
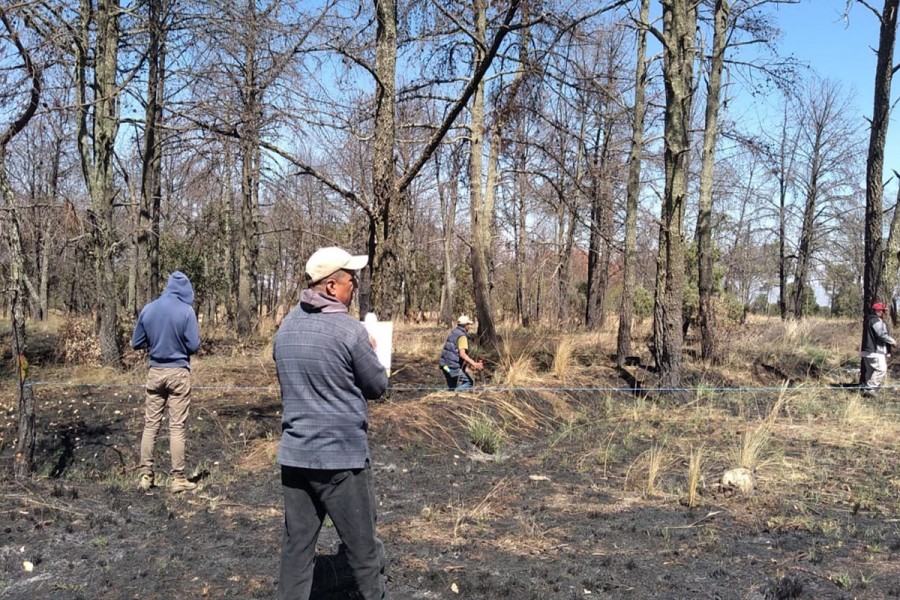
(167, 327)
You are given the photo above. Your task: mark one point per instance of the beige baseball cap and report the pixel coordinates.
(464, 320)
(326, 261)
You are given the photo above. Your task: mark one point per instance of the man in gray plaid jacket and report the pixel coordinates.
(328, 370)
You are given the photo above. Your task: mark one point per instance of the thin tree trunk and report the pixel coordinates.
(481, 211)
(568, 219)
(600, 225)
(709, 349)
(384, 258)
(24, 456)
(521, 244)
(97, 154)
(785, 174)
(45, 246)
(247, 301)
(890, 278)
(151, 158)
(248, 234)
(133, 260)
(623, 337)
(449, 196)
(606, 234)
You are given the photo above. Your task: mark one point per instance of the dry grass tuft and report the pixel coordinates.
(564, 357)
(858, 413)
(695, 475)
(418, 341)
(753, 446)
(755, 441)
(259, 455)
(645, 472)
(657, 458)
(442, 418)
(516, 363)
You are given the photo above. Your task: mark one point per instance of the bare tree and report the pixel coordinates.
(677, 37)
(97, 54)
(706, 311)
(448, 193)
(148, 226)
(623, 337)
(828, 144)
(21, 116)
(603, 173)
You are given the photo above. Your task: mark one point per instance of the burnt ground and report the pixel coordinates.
(554, 515)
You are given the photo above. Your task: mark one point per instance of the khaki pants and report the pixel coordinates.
(166, 387)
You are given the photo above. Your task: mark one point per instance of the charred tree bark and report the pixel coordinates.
(873, 270)
(384, 263)
(679, 27)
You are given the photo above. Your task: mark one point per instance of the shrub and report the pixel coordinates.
(485, 434)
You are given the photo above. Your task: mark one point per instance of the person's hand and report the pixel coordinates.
(373, 342)
(479, 365)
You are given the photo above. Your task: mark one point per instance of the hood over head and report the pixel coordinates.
(180, 287)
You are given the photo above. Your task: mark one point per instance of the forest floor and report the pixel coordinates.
(585, 494)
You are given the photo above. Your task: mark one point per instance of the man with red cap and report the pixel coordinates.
(876, 347)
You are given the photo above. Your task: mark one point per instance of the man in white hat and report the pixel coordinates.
(328, 371)
(455, 357)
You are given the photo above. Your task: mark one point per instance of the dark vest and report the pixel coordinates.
(450, 353)
(870, 340)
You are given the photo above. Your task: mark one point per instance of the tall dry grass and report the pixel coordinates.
(564, 357)
(516, 362)
(695, 475)
(755, 441)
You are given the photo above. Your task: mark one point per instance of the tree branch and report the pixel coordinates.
(457, 108)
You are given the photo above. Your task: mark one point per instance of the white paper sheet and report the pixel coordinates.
(383, 334)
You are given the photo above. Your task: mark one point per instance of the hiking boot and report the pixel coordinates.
(146, 482)
(181, 484)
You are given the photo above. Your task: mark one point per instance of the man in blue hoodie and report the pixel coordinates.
(167, 328)
(328, 370)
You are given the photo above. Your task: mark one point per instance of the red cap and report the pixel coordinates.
(879, 306)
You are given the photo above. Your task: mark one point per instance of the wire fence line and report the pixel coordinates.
(701, 389)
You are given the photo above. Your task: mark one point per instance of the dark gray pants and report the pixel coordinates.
(348, 497)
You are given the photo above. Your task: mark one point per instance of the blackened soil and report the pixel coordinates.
(553, 516)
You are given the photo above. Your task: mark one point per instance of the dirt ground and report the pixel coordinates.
(554, 515)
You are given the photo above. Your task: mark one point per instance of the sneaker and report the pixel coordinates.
(181, 484)
(145, 482)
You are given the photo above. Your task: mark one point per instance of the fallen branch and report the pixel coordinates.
(695, 523)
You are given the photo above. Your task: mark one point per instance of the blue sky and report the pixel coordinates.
(816, 33)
